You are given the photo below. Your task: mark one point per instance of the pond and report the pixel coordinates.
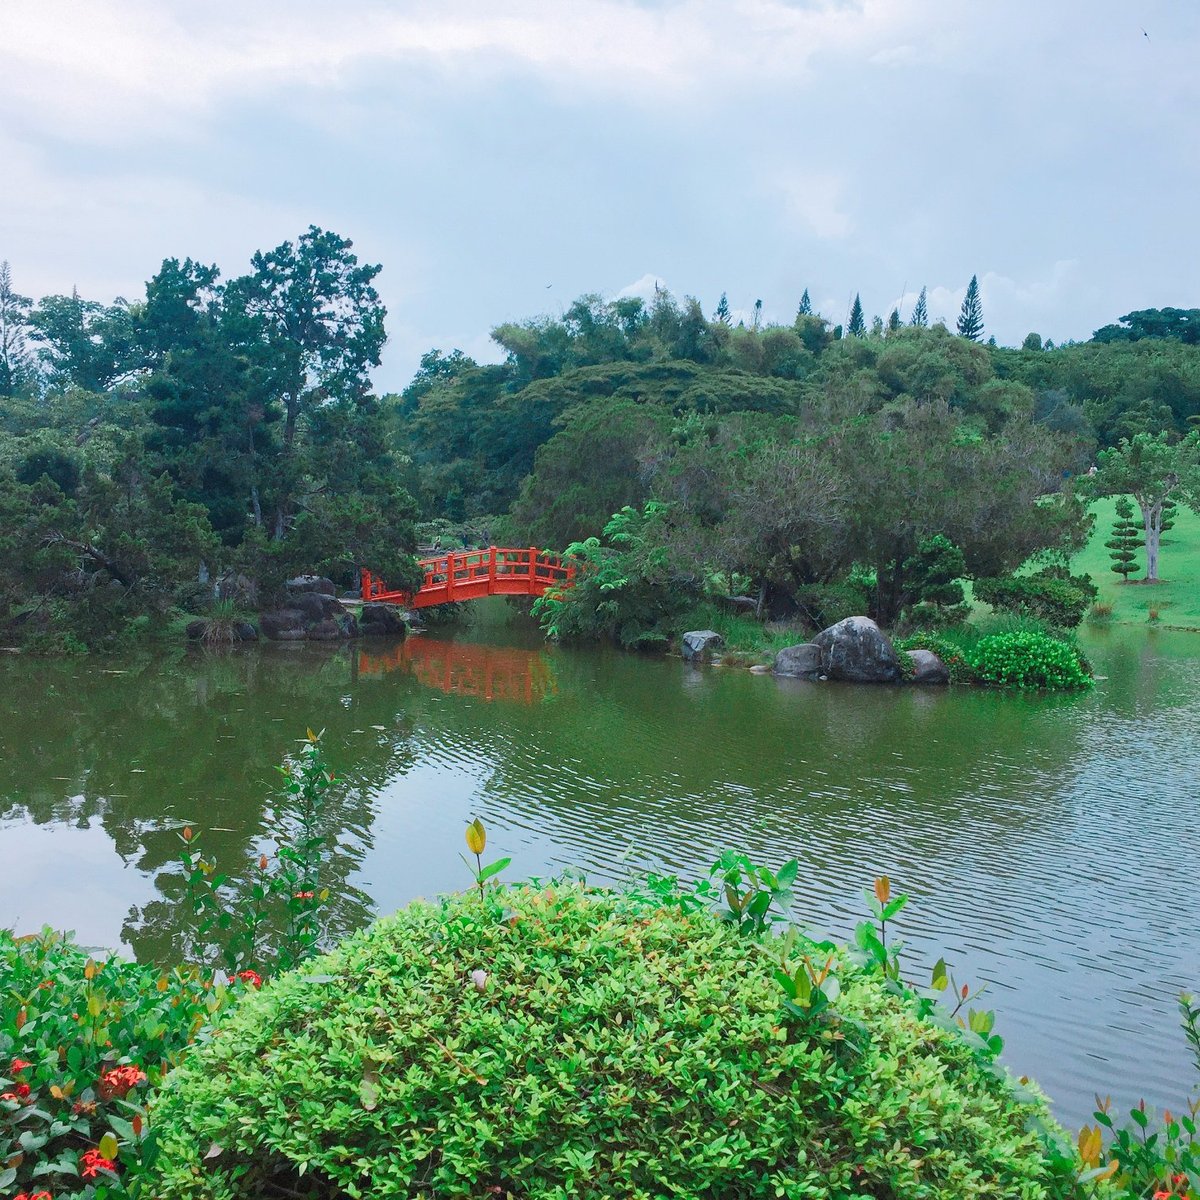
(1049, 843)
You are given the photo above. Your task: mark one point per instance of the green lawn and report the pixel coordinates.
(1176, 597)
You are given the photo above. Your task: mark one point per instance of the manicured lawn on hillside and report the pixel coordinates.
(1177, 596)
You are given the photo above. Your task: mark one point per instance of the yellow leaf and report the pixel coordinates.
(476, 837)
(1090, 1143)
(883, 889)
(312, 737)
(89, 971)
(94, 1010)
(109, 1145)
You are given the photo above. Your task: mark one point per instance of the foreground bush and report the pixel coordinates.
(566, 1042)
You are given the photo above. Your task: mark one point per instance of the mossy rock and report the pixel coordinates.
(612, 1050)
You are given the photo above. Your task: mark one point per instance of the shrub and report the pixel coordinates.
(1051, 595)
(954, 654)
(81, 1042)
(564, 1042)
(1030, 660)
(625, 591)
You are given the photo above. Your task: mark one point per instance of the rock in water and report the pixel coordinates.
(799, 662)
(856, 650)
(928, 668)
(696, 644)
(316, 606)
(380, 619)
(283, 625)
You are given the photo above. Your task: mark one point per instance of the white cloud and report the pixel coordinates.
(894, 56)
(645, 287)
(110, 68)
(814, 199)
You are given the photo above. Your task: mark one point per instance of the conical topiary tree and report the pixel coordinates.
(1125, 540)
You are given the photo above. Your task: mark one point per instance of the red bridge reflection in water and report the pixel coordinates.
(467, 668)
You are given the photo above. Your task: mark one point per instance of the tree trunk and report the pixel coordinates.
(1152, 519)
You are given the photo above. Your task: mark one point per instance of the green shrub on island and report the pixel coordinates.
(559, 1041)
(1010, 652)
(1029, 660)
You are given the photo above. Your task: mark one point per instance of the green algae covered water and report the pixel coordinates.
(1050, 844)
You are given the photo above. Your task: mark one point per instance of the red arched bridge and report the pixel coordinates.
(470, 574)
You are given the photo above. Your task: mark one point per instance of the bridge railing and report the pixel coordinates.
(467, 574)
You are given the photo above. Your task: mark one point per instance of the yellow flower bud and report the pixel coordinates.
(476, 837)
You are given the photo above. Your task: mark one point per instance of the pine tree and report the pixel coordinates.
(757, 315)
(1126, 538)
(920, 317)
(805, 309)
(16, 363)
(858, 324)
(970, 319)
(722, 313)
(893, 320)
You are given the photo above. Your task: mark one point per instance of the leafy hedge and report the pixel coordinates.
(563, 1042)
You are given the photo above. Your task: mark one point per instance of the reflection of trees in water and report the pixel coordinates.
(149, 748)
(467, 668)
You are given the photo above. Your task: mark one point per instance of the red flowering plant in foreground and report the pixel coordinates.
(81, 1043)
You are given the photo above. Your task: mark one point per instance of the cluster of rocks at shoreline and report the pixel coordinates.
(313, 613)
(855, 650)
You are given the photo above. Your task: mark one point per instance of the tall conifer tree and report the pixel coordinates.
(858, 324)
(805, 309)
(920, 317)
(970, 319)
(16, 363)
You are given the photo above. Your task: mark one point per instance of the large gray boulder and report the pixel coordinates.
(324, 631)
(311, 583)
(317, 606)
(799, 662)
(283, 625)
(696, 644)
(928, 669)
(856, 650)
(376, 620)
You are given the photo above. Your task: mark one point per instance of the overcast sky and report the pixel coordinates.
(501, 158)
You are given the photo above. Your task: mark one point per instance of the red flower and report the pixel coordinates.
(19, 1064)
(33, 1196)
(303, 895)
(23, 1090)
(119, 1080)
(253, 978)
(12, 1096)
(91, 1161)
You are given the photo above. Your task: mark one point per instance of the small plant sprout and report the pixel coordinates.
(476, 842)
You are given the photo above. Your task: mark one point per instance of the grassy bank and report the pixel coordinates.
(1176, 598)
